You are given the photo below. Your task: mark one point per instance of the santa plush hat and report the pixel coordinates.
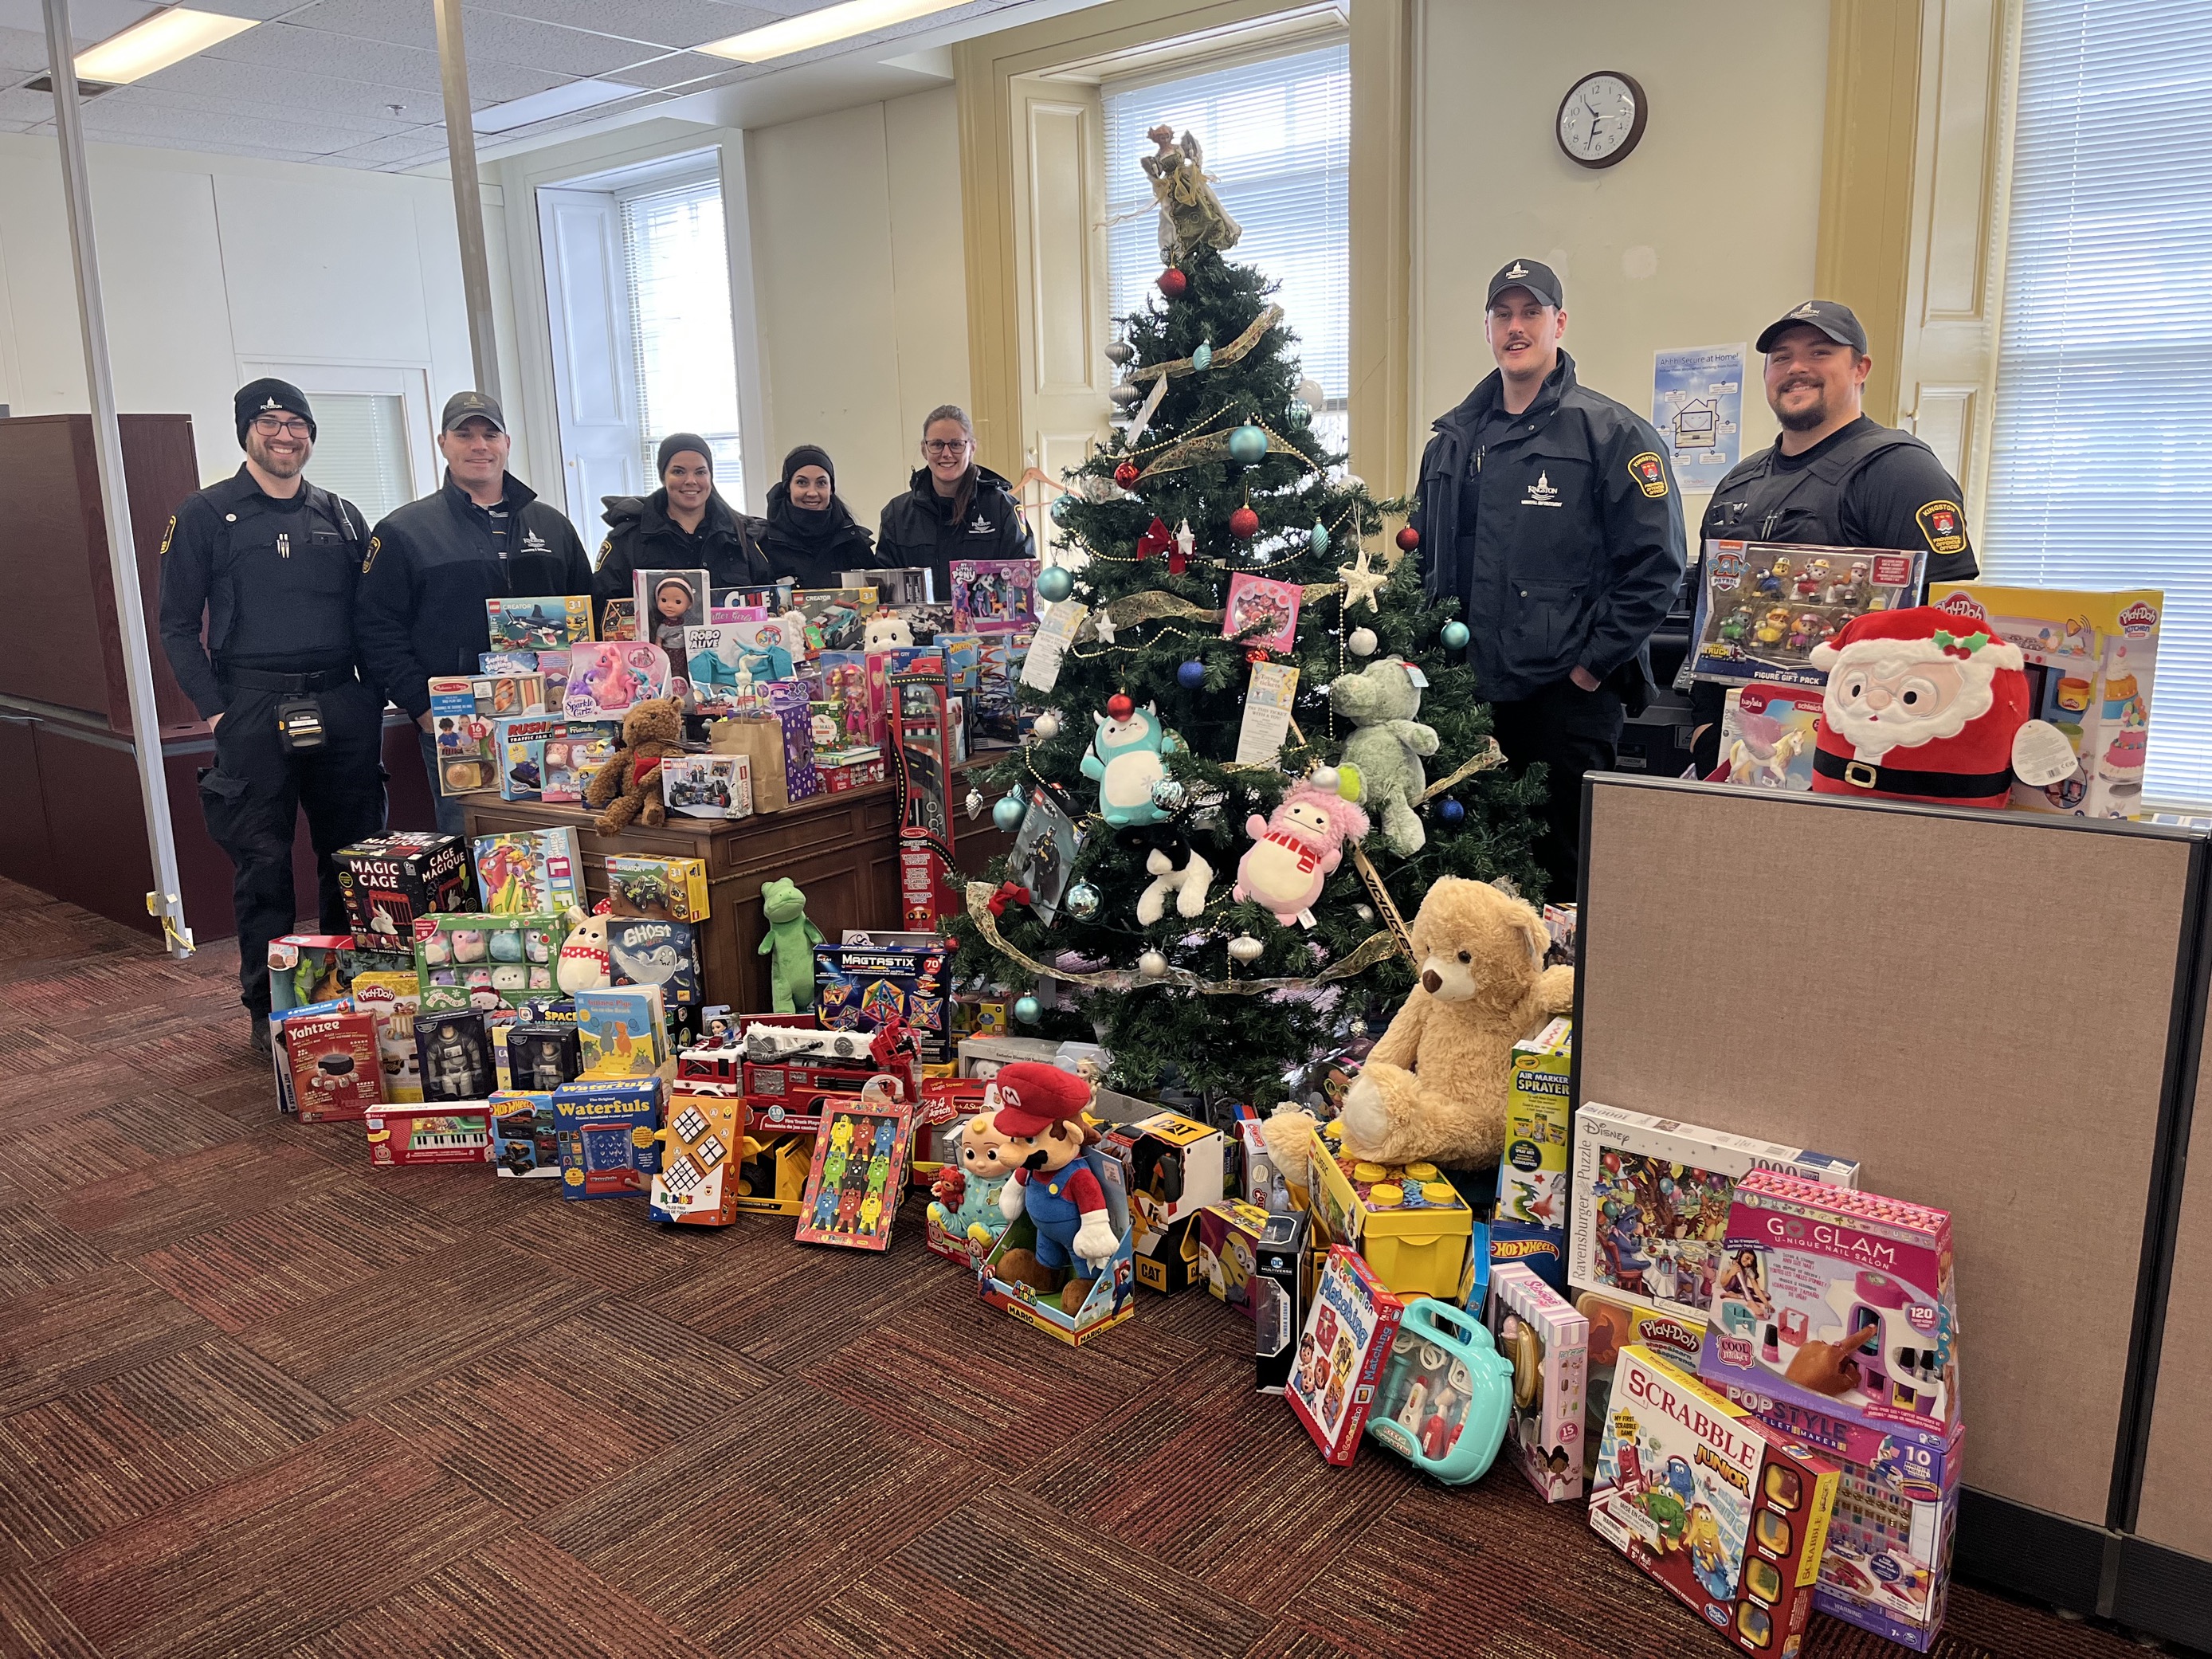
(1029, 1097)
(1915, 743)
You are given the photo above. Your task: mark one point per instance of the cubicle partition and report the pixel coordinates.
(2001, 1013)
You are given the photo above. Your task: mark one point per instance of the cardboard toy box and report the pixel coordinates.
(448, 1132)
(1763, 606)
(641, 950)
(1616, 1325)
(606, 1127)
(1112, 1294)
(697, 1181)
(524, 1144)
(1652, 1233)
(1729, 1515)
(1412, 1226)
(2090, 659)
(465, 959)
(336, 1075)
(456, 1055)
(1532, 1174)
(529, 872)
(1342, 1353)
(707, 786)
(859, 987)
(305, 968)
(1548, 1342)
(393, 999)
(540, 623)
(1229, 1235)
(1172, 1168)
(665, 889)
(1282, 1285)
(388, 882)
(1768, 734)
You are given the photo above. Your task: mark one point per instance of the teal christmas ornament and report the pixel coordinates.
(1455, 636)
(1052, 582)
(1247, 445)
(1059, 509)
(1317, 538)
(1007, 817)
(1026, 1010)
(1202, 357)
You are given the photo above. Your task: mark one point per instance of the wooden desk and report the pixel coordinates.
(842, 850)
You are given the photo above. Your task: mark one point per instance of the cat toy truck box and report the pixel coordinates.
(389, 881)
(1729, 1515)
(1173, 1167)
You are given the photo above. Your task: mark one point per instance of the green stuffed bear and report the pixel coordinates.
(1381, 700)
(789, 944)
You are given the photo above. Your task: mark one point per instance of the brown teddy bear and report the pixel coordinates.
(1434, 1089)
(628, 786)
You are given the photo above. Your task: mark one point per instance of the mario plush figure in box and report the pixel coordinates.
(1921, 706)
(1039, 1112)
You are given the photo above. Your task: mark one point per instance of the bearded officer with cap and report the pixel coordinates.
(1548, 511)
(271, 563)
(1835, 477)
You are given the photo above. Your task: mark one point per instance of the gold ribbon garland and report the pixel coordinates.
(1131, 608)
(1490, 755)
(1229, 354)
(1375, 948)
(1399, 932)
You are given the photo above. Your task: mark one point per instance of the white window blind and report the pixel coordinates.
(1277, 137)
(679, 286)
(2100, 472)
(361, 450)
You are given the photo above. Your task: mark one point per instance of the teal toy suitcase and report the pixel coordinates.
(1446, 1394)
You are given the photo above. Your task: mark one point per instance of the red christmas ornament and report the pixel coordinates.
(1409, 538)
(1125, 474)
(1156, 539)
(1119, 707)
(1173, 283)
(1256, 654)
(1244, 524)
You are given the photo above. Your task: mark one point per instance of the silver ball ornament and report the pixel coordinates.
(1167, 794)
(973, 803)
(1311, 393)
(1060, 506)
(1125, 395)
(1362, 643)
(1045, 727)
(1245, 948)
(1152, 965)
(1082, 901)
(1359, 1028)
(1120, 353)
(1247, 445)
(1326, 778)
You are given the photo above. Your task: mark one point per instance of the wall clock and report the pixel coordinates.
(1602, 119)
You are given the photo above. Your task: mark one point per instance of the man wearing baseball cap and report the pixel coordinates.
(432, 564)
(271, 563)
(1834, 478)
(1549, 513)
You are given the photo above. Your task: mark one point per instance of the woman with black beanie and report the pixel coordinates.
(811, 534)
(685, 525)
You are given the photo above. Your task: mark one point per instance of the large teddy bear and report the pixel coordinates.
(1381, 700)
(628, 786)
(1434, 1089)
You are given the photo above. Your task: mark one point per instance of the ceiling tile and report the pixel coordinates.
(22, 51)
(371, 20)
(319, 51)
(90, 21)
(492, 37)
(410, 150)
(16, 105)
(259, 10)
(689, 71)
(315, 128)
(672, 23)
(248, 87)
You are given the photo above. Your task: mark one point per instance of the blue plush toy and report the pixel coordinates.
(1124, 760)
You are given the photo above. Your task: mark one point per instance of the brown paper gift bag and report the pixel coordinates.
(760, 740)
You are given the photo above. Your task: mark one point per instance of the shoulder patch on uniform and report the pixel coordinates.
(169, 535)
(375, 544)
(1650, 473)
(1944, 526)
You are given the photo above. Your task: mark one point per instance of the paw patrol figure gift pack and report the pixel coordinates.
(1547, 1343)
(1342, 1353)
(1729, 1515)
(1446, 1395)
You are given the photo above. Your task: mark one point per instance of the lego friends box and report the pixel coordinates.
(1729, 1515)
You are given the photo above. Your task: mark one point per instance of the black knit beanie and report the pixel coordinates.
(674, 445)
(258, 398)
(809, 455)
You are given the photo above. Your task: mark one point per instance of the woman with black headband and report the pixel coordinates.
(685, 525)
(811, 534)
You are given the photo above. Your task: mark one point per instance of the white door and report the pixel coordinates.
(594, 373)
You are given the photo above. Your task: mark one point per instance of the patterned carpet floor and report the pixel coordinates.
(257, 1399)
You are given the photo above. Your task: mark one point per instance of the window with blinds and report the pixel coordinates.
(1277, 137)
(679, 287)
(2101, 467)
(361, 450)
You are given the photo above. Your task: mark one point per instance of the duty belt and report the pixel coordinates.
(1897, 781)
(252, 679)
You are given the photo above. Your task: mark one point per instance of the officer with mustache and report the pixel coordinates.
(1834, 478)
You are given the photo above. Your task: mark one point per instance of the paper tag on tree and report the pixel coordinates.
(1040, 669)
(1267, 712)
(1129, 440)
(2042, 755)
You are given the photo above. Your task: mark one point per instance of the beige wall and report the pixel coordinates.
(1701, 237)
(859, 284)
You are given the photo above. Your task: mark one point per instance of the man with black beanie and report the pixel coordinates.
(271, 563)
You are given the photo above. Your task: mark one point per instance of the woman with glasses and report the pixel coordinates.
(953, 508)
(811, 534)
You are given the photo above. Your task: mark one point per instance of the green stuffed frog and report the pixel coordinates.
(789, 945)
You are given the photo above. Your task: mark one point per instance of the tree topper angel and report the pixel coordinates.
(1191, 214)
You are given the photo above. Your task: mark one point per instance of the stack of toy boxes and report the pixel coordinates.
(862, 988)
(1172, 1168)
(1616, 1325)
(1531, 1222)
(2091, 658)
(1835, 1321)
(1229, 1235)
(391, 880)
(1651, 1203)
(1409, 1222)
(1548, 1343)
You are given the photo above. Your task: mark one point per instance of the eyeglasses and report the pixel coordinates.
(945, 446)
(270, 425)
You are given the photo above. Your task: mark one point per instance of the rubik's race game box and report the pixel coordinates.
(863, 987)
(697, 1182)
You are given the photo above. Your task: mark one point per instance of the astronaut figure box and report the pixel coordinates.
(455, 1051)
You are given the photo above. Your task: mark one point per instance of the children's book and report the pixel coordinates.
(625, 1032)
(539, 624)
(852, 1190)
(606, 1129)
(1347, 1338)
(1261, 612)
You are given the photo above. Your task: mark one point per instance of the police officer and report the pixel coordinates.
(433, 563)
(273, 562)
(1834, 478)
(1548, 511)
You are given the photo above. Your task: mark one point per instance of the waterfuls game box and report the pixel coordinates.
(607, 1129)
(1650, 1231)
(1729, 1515)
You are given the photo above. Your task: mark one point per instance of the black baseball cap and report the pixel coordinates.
(1838, 322)
(471, 405)
(1539, 280)
(269, 396)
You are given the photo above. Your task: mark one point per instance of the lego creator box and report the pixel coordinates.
(665, 889)
(643, 951)
(1282, 1284)
(1837, 1301)
(1652, 1231)
(529, 872)
(697, 1181)
(539, 624)
(1763, 606)
(1548, 1343)
(624, 1031)
(1532, 1174)
(1410, 1225)
(1727, 1514)
(606, 1128)
(860, 987)
(525, 1144)
(336, 1071)
(1106, 1302)
(475, 959)
(450, 1132)
(391, 999)
(1615, 1326)
(389, 881)
(1228, 1250)
(2091, 658)
(1342, 1353)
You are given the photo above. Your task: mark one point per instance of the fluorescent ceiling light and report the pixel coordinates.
(166, 38)
(819, 28)
(564, 100)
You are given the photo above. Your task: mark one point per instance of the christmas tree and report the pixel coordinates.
(1213, 495)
